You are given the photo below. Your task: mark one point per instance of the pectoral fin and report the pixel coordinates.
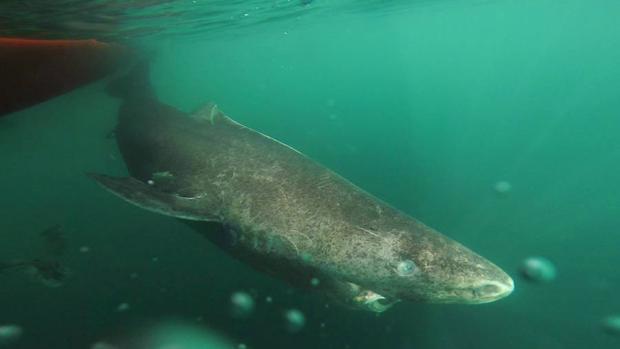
(149, 198)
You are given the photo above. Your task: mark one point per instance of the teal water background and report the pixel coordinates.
(426, 106)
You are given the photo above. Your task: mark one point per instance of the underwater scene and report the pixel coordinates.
(335, 174)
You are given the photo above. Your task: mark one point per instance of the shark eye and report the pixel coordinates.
(406, 267)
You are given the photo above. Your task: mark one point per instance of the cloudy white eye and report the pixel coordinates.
(406, 267)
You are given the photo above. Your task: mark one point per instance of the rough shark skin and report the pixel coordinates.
(287, 215)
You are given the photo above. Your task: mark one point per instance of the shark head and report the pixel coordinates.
(425, 266)
(432, 268)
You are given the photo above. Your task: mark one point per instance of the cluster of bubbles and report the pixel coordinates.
(537, 269)
(242, 306)
(541, 270)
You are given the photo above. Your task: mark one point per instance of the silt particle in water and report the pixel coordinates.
(306, 257)
(122, 307)
(538, 269)
(502, 187)
(242, 304)
(10, 333)
(102, 345)
(611, 325)
(295, 320)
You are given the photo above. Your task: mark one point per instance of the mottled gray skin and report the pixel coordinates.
(287, 215)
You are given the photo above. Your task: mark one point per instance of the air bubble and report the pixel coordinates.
(242, 305)
(538, 269)
(611, 325)
(502, 187)
(102, 345)
(123, 307)
(10, 333)
(295, 320)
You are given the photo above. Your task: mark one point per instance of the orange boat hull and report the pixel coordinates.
(33, 71)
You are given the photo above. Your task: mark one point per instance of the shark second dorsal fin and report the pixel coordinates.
(149, 198)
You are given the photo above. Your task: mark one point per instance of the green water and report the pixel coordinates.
(426, 105)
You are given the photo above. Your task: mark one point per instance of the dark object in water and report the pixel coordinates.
(54, 240)
(46, 270)
(34, 71)
(50, 273)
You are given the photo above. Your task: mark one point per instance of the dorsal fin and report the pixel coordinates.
(212, 114)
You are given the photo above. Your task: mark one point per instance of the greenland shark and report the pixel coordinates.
(283, 213)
